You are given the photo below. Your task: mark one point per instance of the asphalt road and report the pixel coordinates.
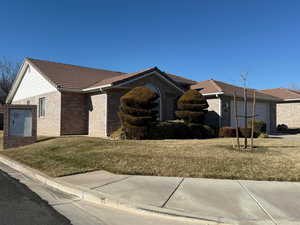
(20, 206)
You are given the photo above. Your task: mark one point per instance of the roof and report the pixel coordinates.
(283, 93)
(78, 77)
(211, 86)
(181, 79)
(71, 76)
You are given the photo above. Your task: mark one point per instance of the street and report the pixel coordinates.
(19, 205)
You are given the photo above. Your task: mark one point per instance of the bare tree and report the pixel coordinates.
(8, 73)
(293, 87)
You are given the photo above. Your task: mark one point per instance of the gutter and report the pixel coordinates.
(291, 99)
(216, 94)
(96, 88)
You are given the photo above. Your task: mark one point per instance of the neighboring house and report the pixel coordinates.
(288, 107)
(220, 99)
(80, 100)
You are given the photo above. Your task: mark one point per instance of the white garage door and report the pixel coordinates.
(261, 110)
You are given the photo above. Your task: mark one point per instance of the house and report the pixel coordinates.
(75, 100)
(220, 97)
(288, 107)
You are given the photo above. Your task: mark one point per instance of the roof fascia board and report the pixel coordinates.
(96, 88)
(148, 74)
(17, 82)
(291, 99)
(70, 90)
(215, 93)
(19, 78)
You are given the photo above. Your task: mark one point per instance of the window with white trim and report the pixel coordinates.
(42, 107)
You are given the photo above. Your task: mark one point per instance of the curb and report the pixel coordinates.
(103, 198)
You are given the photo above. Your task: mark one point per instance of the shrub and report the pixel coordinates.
(260, 126)
(169, 130)
(179, 130)
(136, 112)
(192, 107)
(140, 97)
(245, 132)
(227, 132)
(231, 132)
(209, 132)
(282, 127)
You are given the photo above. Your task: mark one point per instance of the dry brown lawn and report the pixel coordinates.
(275, 159)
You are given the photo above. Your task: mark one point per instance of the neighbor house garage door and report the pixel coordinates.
(262, 110)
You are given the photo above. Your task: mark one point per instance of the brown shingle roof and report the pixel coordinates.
(71, 76)
(213, 86)
(77, 77)
(283, 93)
(180, 79)
(123, 77)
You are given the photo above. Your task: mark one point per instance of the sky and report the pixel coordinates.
(198, 39)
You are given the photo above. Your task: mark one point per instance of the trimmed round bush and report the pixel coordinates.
(140, 97)
(136, 112)
(192, 106)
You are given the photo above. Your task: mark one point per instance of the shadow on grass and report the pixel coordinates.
(41, 139)
(256, 149)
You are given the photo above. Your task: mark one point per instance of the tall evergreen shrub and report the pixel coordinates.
(192, 107)
(136, 112)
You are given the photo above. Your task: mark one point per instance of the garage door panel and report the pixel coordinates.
(261, 110)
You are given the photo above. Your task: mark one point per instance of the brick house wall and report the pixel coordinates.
(288, 113)
(74, 113)
(50, 124)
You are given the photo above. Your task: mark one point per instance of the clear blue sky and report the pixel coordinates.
(200, 39)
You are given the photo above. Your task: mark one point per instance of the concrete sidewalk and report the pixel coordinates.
(227, 201)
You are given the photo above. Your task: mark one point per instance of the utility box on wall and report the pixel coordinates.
(20, 125)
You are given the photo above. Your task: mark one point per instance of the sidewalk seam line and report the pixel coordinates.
(257, 202)
(176, 188)
(112, 182)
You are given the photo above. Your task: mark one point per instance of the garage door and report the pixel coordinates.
(262, 110)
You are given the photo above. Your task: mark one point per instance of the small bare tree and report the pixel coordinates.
(293, 87)
(8, 73)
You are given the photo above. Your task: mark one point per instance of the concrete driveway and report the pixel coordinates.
(228, 201)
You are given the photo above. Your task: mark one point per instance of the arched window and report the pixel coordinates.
(158, 100)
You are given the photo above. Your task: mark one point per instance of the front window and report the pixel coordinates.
(42, 107)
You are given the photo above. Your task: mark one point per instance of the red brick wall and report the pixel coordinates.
(74, 113)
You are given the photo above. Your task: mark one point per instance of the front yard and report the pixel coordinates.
(278, 159)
